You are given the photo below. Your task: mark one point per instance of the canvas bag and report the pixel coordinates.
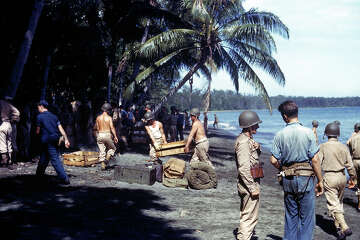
(174, 168)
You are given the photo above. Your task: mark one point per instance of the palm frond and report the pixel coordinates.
(261, 59)
(167, 42)
(252, 34)
(231, 67)
(270, 21)
(251, 78)
(148, 71)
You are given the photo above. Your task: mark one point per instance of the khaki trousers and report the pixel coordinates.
(334, 186)
(356, 163)
(106, 146)
(201, 153)
(249, 214)
(152, 152)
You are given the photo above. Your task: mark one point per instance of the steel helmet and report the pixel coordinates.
(106, 107)
(332, 130)
(315, 123)
(195, 112)
(148, 116)
(357, 126)
(248, 118)
(337, 122)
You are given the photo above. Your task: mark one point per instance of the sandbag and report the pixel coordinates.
(201, 176)
(175, 182)
(174, 168)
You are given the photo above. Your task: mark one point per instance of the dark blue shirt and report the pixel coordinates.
(48, 124)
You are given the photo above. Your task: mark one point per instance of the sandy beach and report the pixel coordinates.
(95, 206)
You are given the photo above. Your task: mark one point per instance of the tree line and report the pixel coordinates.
(132, 51)
(230, 100)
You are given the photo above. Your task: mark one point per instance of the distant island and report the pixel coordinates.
(230, 100)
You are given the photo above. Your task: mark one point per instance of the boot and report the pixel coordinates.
(343, 226)
(340, 234)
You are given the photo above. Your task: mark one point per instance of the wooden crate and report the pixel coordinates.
(81, 158)
(172, 148)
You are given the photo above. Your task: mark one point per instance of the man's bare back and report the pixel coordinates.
(104, 123)
(197, 133)
(198, 130)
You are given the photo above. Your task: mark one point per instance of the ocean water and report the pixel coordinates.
(272, 123)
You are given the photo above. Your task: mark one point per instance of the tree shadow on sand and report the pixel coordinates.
(327, 225)
(33, 210)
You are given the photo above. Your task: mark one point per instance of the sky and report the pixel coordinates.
(321, 57)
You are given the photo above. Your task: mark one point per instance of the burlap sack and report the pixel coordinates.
(174, 168)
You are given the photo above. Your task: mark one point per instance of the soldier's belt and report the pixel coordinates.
(297, 169)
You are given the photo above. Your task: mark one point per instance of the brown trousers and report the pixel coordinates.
(201, 153)
(106, 146)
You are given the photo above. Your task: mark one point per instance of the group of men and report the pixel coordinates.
(305, 169)
(173, 123)
(197, 136)
(299, 160)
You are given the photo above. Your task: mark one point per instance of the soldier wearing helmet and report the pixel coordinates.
(105, 132)
(156, 134)
(247, 156)
(354, 146)
(315, 125)
(197, 134)
(335, 157)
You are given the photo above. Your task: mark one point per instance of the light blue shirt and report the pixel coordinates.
(294, 143)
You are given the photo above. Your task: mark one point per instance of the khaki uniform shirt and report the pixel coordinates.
(246, 156)
(335, 156)
(354, 145)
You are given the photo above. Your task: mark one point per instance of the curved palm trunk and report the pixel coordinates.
(207, 98)
(178, 86)
(24, 49)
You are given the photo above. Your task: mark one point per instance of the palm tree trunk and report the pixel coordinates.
(207, 98)
(46, 74)
(143, 40)
(109, 82)
(24, 49)
(178, 86)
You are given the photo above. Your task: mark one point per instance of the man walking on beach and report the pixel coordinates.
(197, 133)
(49, 128)
(216, 121)
(247, 157)
(103, 128)
(335, 157)
(294, 153)
(354, 146)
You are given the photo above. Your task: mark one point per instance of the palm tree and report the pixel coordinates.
(220, 34)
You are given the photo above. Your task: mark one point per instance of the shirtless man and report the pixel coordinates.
(103, 129)
(197, 133)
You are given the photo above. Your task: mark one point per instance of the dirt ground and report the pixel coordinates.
(95, 206)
